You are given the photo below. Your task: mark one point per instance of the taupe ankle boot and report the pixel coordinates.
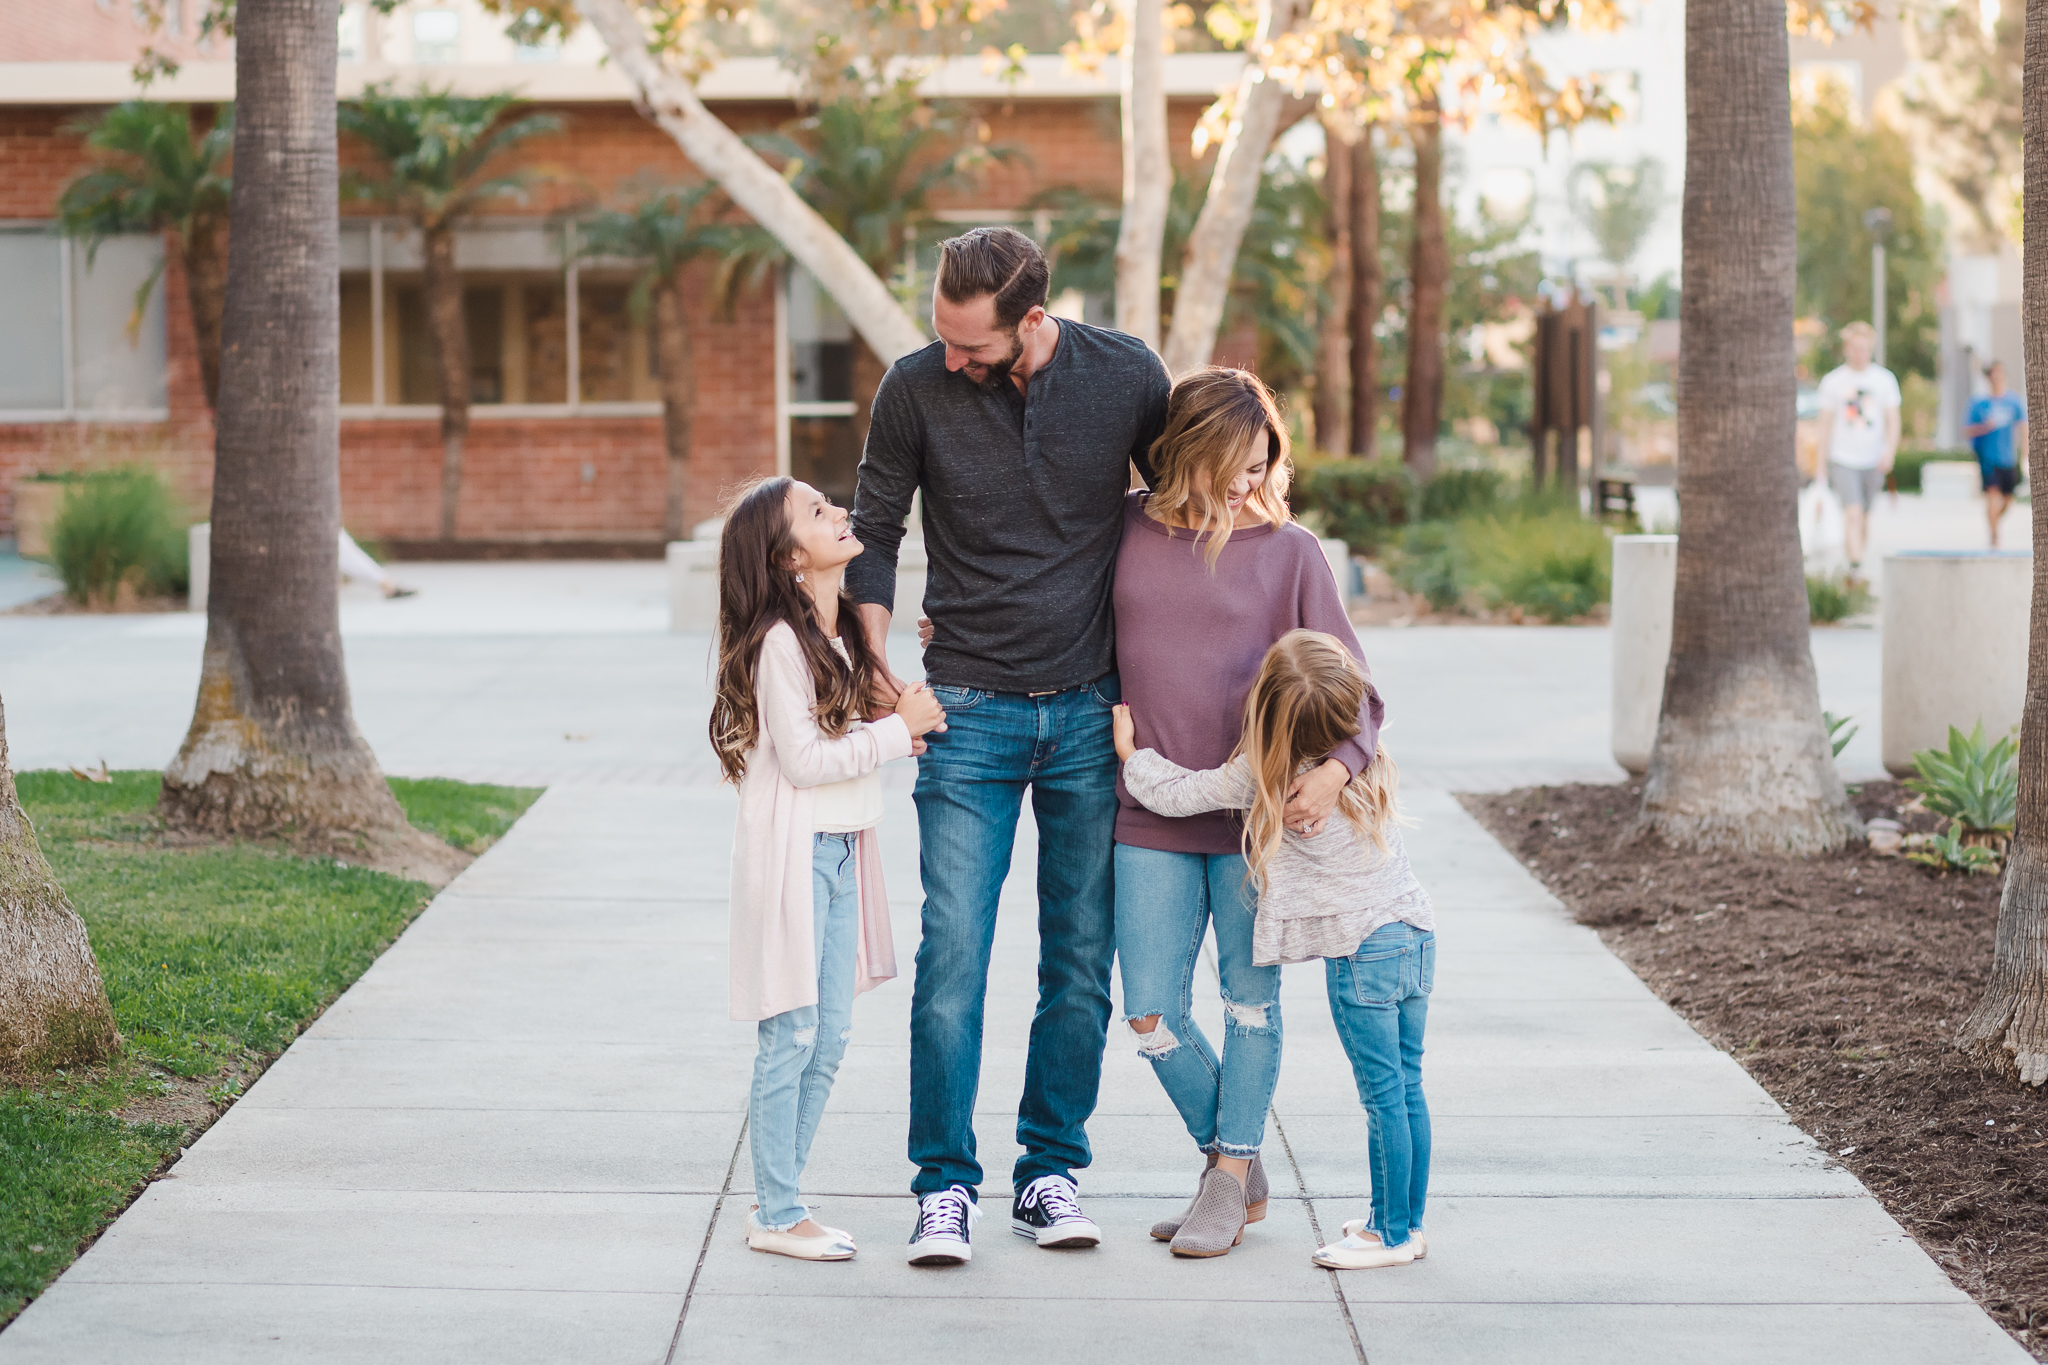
(1216, 1222)
(1255, 1194)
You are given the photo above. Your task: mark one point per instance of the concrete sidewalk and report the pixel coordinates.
(519, 1138)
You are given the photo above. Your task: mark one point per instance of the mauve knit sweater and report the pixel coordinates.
(1189, 644)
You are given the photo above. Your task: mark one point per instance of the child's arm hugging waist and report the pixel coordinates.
(1165, 788)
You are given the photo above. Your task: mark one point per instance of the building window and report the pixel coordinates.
(532, 322)
(436, 36)
(349, 34)
(824, 439)
(67, 348)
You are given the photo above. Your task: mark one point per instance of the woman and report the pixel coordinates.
(1213, 571)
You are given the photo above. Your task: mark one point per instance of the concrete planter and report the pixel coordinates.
(1950, 480)
(1645, 577)
(35, 511)
(693, 584)
(1954, 628)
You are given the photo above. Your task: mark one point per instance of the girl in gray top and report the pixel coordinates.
(1346, 895)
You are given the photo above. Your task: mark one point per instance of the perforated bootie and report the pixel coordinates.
(1216, 1221)
(1255, 1193)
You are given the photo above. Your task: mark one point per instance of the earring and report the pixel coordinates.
(799, 578)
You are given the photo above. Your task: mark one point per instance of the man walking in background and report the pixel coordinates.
(1020, 431)
(1998, 433)
(1859, 433)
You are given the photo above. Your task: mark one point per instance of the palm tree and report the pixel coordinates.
(1368, 294)
(1148, 172)
(273, 748)
(157, 174)
(53, 1005)
(1741, 759)
(664, 231)
(433, 153)
(1429, 274)
(2008, 1031)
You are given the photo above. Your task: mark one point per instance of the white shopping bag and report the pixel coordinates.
(1821, 537)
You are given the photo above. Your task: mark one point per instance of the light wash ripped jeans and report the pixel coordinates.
(799, 1051)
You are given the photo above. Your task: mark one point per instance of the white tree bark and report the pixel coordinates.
(718, 151)
(1148, 173)
(1233, 189)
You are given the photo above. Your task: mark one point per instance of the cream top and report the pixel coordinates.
(854, 804)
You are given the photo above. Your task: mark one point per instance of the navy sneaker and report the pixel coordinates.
(945, 1225)
(1048, 1211)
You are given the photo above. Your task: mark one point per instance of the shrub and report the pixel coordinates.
(116, 527)
(1361, 502)
(1835, 597)
(1975, 784)
(1462, 492)
(1841, 729)
(1543, 558)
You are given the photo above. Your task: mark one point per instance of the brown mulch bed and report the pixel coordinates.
(1838, 982)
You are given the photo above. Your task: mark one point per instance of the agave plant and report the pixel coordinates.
(1974, 783)
(1945, 851)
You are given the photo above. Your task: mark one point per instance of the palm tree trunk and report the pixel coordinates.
(2008, 1031)
(273, 748)
(1148, 173)
(1262, 106)
(53, 1005)
(1741, 759)
(1333, 328)
(1429, 271)
(764, 195)
(450, 330)
(206, 274)
(1368, 295)
(678, 374)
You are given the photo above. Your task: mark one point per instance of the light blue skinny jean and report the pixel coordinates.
(798, 1052)
(1165, 903)
(1379, 998)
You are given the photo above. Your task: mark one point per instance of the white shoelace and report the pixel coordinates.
(1056, 1197)
(943, 1215)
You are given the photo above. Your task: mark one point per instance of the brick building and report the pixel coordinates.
(565, 443)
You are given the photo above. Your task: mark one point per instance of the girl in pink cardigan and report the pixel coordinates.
(788, 730)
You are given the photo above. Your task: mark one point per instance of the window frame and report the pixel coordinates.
(67, 267)
(381, 408)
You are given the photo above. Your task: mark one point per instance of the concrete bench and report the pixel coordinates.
(1950, 480)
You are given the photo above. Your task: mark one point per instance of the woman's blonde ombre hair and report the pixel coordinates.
(1303, 704)
(1211, 417)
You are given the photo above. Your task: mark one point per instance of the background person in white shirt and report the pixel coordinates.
(1859, 432)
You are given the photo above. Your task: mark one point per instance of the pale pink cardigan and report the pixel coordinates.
(774, 957)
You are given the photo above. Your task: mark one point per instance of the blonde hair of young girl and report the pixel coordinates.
(1212, 416)
(1303, 704)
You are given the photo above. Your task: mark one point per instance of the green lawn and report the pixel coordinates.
(214, 959)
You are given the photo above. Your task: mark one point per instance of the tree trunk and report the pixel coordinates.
(672, 104)
(53, 1005)
(678, 373)
(273, 748)
(1368, 295)
(450, 329)
(1233, 190)
(1429, 272)
(206, 276)
(2008, 1031)
(1333, 328)
(1148, 173)
(1741, 759)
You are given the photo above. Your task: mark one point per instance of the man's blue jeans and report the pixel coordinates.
(970, 792)
(1379, 998)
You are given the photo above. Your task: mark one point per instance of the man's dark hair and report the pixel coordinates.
(998, 261)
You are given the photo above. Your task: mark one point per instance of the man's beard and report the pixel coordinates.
(999, 371)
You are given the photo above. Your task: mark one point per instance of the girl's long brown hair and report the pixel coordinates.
(1303, 704)
(1211, 416)
(758, 589)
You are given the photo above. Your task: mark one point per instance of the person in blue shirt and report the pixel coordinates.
(1998, 432)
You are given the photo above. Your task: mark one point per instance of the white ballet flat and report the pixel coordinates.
(1361, 1249)
(831, 1245)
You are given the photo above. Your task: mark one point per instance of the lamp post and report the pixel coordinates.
(1878, 222)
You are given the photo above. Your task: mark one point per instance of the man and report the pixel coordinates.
(1859, 433)
(1020, 431)
(1998, 433)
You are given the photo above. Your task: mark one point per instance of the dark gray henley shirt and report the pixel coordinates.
(1023, 505)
